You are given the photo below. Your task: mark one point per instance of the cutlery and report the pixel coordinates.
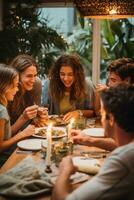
(23, 152)
(94, 154)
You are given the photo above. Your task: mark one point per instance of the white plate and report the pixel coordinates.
(54, 128)
(78, 160)
(95, 132)
(31, 144)
(87, 165)
(75, 178)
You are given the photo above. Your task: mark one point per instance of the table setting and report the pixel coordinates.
(36, 161)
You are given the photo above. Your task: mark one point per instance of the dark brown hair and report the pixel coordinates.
(119, 101)
(123, 67)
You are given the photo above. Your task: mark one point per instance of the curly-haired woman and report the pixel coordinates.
(67, 91)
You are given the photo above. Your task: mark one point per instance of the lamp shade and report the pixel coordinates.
(105, 8)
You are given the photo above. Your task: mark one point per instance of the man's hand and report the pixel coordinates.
(79, 138)
(67, 166)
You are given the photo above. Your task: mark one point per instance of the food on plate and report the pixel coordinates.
(38, 122)
(55, 120)
(55, 132)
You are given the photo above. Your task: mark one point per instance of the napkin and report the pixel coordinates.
(77, 177)
(25, 180)
(87, 165)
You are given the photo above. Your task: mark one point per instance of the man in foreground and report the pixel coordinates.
(116, 177)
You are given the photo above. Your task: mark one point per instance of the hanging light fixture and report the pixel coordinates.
(105, 8)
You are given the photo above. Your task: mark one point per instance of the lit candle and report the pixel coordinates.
(70, 128)
(49, 145)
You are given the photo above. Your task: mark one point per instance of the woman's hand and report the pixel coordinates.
(42, 117)
(101, 87)
(74, 114)
(30, 112)
(28, 131)
(42, 112)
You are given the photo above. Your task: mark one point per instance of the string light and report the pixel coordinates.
(105, 8)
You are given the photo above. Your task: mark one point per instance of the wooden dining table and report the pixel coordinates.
(16, 158)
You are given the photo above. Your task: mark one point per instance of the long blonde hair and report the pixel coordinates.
(7, 75)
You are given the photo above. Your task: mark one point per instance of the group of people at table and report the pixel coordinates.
(66, 91)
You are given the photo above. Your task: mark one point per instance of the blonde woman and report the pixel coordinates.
(8, 87)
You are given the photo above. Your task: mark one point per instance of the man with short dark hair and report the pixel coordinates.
(116, 177)
(121, 71)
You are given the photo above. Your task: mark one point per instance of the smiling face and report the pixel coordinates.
(114, 79)
(67, 76)
(11, 91)
(28, 77)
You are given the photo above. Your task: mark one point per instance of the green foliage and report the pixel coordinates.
(117, 41)
(80, 42)
(24, 32)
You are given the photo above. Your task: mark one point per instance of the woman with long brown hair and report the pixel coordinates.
(28, 98)
(67, 92)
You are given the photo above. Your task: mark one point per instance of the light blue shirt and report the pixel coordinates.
(4, 115)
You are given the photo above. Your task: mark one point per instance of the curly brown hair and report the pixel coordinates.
(78, 89)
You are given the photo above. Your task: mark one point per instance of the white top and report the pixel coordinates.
(114, 181)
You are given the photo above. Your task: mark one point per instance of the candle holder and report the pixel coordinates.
(60, 150)
(79, 123)
(48, 169)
